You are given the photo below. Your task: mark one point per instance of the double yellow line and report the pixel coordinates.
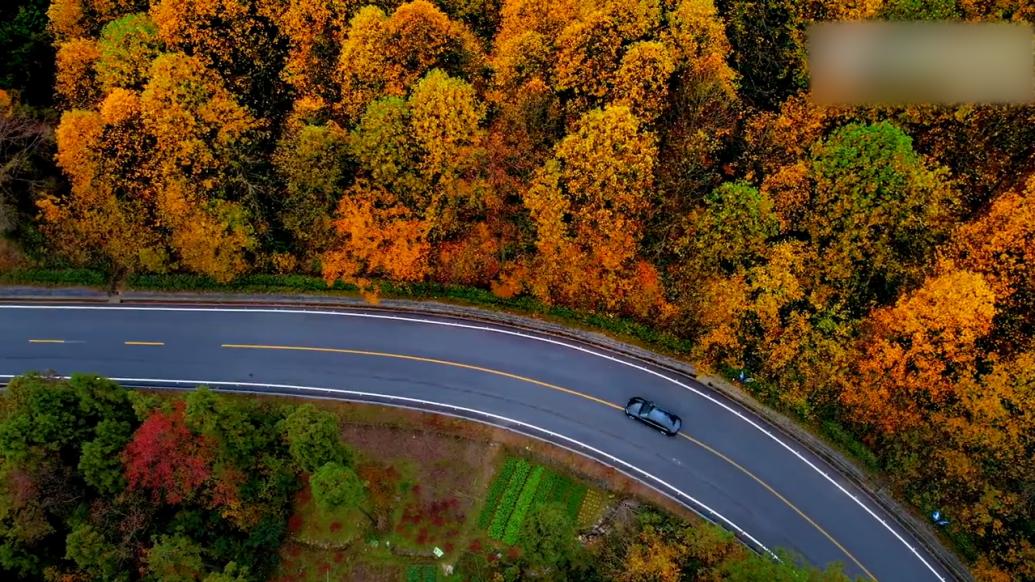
(557, 388)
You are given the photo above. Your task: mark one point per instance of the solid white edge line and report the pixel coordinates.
(526, 336)
(533, 427)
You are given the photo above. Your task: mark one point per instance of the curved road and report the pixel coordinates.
(723, 464)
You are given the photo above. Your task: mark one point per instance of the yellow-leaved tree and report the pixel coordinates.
(384, 55)
(588, 205)
(201, 135)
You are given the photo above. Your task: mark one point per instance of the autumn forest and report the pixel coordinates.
(659, 160)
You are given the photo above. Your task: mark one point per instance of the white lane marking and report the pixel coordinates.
(534, 338)
(195, 383)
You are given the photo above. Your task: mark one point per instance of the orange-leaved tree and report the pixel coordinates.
(1000, 245)
(912, 354)
(107, 217)
(315, 30)
(421, 168)
(377, 235)
(236, 39)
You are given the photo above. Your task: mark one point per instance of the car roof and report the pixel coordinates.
(662, 417)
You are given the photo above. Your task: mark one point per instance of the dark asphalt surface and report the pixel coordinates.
(786, 503)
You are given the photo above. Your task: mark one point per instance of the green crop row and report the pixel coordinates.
(509, 499)
(547, 486)
(574, 501)
(524, 503)
(492, 497)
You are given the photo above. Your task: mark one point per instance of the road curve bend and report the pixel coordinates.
(724, 465)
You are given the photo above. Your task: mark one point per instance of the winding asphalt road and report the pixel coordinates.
(724, 464)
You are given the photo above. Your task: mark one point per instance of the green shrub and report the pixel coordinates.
(85, 277)
(509, 499)
(417, 573)
(524, 503)
(335, 485)
(492, 497)
(846, 441)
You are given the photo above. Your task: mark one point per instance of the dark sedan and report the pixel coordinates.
(646, 412)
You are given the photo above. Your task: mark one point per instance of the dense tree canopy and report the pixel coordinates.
(102, 484)
(651, 159)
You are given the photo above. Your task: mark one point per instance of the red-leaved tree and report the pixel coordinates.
(166, 458)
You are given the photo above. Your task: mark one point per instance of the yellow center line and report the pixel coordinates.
(132, 343)
(429, 361)
(703, 445)
(46, 341)
(786, 501)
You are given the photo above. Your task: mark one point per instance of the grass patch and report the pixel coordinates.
(421, 573)
(54, 277)
(847, 442)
